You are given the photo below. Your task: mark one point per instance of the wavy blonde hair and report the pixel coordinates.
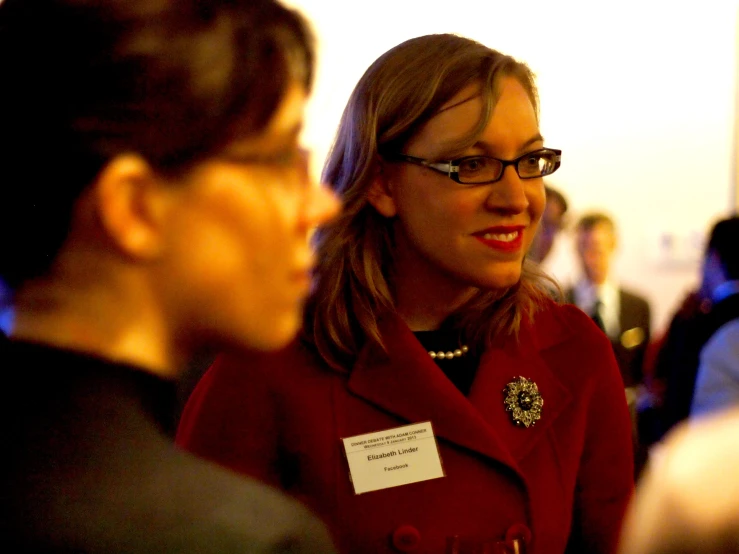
(398, 94)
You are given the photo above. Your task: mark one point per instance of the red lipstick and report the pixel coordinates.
(508, 238)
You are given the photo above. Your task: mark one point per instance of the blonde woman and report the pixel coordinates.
(438, 401)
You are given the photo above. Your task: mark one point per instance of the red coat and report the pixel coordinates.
(280, 418)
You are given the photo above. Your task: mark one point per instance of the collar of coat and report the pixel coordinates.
(406, 382)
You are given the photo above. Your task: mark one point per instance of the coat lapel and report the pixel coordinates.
(503, 363)
(406, 382)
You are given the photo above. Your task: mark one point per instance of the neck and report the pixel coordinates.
(116, 323)
(424, 307)
(595, 283)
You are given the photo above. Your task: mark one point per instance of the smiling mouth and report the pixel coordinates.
(507, 241)
(502, 237)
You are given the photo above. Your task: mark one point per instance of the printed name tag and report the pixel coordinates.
(394, 457)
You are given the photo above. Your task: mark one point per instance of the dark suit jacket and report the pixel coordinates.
(631, 344)
(88, 467)
(280, 418)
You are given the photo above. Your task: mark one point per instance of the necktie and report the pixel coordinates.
(597, 317)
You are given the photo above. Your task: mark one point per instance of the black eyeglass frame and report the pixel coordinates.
(451, 168)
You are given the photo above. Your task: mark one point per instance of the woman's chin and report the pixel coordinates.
(501, 280)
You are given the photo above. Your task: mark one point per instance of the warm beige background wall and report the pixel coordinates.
(639, 94)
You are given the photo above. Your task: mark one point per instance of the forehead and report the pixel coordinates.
(601, 231)
(513, 121)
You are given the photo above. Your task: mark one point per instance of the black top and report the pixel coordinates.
(89, 466)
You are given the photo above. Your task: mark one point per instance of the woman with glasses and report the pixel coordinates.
(438, 400)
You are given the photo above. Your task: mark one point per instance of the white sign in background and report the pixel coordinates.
(393, 457)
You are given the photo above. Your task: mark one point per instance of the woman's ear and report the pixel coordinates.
(130, 204)
(380, 193)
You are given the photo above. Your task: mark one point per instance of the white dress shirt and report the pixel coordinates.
(587, 294)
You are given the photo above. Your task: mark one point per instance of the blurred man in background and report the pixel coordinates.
(622, 314)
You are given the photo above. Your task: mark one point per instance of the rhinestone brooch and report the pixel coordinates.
(523, 401)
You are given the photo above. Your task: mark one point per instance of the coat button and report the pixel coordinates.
(406, 538)
(518, 531)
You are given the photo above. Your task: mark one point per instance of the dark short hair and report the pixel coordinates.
(558, 197)
(591, 219)
(724, 240)
(86, 80)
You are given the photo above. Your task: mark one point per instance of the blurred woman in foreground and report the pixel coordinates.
(148, 171)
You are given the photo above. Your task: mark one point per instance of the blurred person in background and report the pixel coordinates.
(702, 313)
(688, 499)
(6, 310)
(717, 380)
(623, 315)
(552, 223)
(670, 367)
(155, 204)
(426, 317)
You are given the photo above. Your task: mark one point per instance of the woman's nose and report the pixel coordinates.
(509, 193)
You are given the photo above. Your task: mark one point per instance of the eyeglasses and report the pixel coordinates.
(479, 170)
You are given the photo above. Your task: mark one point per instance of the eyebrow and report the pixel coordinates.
(482, 145)
(536, 138)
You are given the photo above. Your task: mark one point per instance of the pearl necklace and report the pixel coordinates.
(441, 355)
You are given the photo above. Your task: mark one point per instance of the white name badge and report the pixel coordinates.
(394, 457)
